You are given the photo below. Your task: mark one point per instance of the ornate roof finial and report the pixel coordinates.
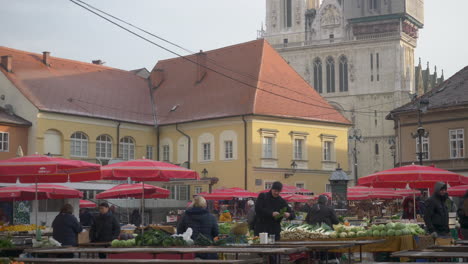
(428, 65)
(419, 61)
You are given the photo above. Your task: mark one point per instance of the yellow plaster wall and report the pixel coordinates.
(67, 125)
(230, 173)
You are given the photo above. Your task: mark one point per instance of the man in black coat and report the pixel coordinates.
(321, 213)
(268, 209)
(105, 227)
(436, 214)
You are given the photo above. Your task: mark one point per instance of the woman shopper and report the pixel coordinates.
(66, 227)
(201, 222)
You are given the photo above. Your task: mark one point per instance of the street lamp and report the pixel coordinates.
(421, 132)
(293, 170)
(356, 136)
(204, 172)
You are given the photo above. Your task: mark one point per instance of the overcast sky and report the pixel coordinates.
(69, 31)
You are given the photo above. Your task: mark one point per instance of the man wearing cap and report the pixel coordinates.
(436, 215)
(267, 210)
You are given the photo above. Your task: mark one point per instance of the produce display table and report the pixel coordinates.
(351, 245)
(461, 248)
(149, 261)
(387, 244)
(173, 250)
(461, 242)
(96, 244)
(429, 254)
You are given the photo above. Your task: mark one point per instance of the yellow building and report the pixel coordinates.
(240, 114)
(243, 115)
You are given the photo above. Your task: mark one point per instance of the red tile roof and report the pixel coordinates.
(78, 88)
(281, 91)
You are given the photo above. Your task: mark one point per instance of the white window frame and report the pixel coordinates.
(4, 143)
(228, 150)
(426, 148)
(268, 184)
(459, 144)
(299, 149)
(226, 136)
(208, 139)
(198, 189)
(79, 145)
(268, 143)
(178, 191)
(206, 151)
(166, 153)
(328, 139)
(104, 147)
(300, 183)
(149, 152)
(127, 148)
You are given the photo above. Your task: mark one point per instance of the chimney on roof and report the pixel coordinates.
(7, 62)
(98, 62)
(201, 66)
(157, 78)
(46, 58)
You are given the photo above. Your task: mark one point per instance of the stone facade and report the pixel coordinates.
(359, 54)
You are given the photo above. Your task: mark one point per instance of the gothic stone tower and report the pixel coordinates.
(359, 55)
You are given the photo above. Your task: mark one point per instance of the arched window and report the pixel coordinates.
(104, 147)
(79, 145)
(127, 148)
(287, 17)
(206, 147)
(166, 150)
(318, 75)
(330, 75)
(343, 74)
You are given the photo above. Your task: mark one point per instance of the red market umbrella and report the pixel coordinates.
(372, 193)
(45, 169)
(87, 204)
(134, 191)
(20, 193)
(413, 176)
(58, 191)
(458, 191)
(288, 189)
(228, 194)
(296, 198)
(146, 170)
(350, 196)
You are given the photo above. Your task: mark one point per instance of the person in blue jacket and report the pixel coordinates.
(66, 227)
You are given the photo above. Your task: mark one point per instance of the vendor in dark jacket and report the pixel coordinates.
(268, 209)
(105, 227)
(436, 214)
(463, 216)
(201, 222)
(66, 227)
(321, 213)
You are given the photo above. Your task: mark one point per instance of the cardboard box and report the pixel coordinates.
(83, 237)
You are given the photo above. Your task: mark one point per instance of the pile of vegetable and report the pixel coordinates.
(390, 229)
(395, 229)
(6, 243)
(344, 231)
(304, 232)
(125, 240)
(158, 238)
(20, 228)
(224, 228)
(46, 243)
